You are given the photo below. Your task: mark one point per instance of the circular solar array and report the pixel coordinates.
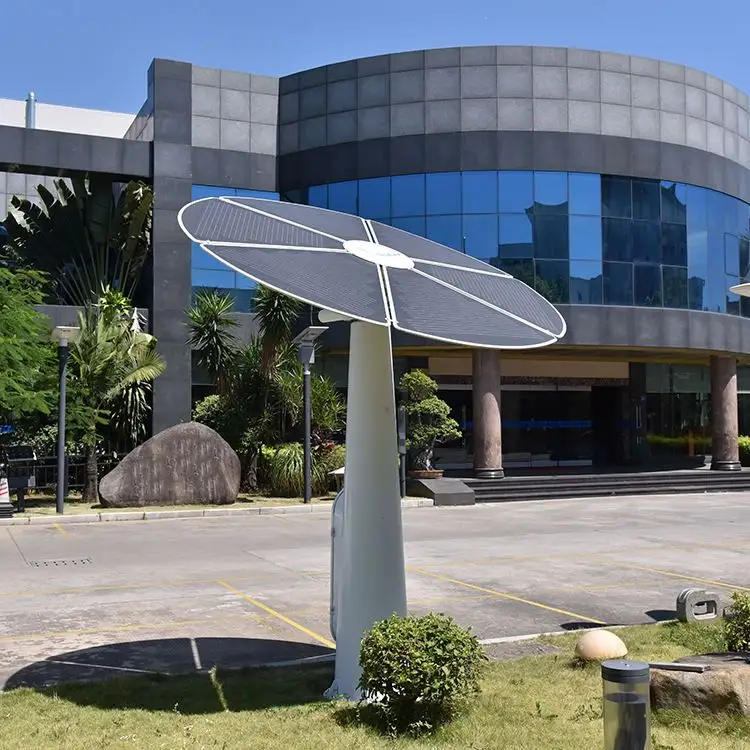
(373, 272)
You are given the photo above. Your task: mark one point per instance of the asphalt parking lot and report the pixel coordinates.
(84, 601)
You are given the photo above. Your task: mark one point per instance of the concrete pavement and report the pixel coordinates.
(84, 601)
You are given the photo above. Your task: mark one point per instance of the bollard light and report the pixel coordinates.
(627, 709)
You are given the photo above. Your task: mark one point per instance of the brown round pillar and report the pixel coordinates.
(724, 418)
(488, 442)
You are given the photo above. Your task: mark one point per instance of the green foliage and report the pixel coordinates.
(419, 671)
(210, 324)
(85, 236)
(737, 626)
(284, 468)
(744, 446)
(276, 314)
(27, 361)
(428, 417)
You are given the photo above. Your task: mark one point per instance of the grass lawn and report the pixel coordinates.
(44, 505)
(535, 703)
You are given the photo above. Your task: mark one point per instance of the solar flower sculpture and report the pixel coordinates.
(377, 278)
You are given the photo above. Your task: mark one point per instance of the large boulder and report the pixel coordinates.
(184, 465)
(725, 688)
(600, 645)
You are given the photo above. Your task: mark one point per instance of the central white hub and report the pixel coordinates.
(381, 255)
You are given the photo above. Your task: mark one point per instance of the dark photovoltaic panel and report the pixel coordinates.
(507, 294)
(215, 220)
(419, 248)
(335, 281)
(331, 222)
(423, 306)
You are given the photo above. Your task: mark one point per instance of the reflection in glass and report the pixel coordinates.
(618, 283)
(585, 194)
(408, 195)
(585, 282)
(201, 259)
(342, 196)
(444, 193)
(586, 238)
(674, 244)
(479, 192)
(617, 240)
(673, 202)
(375, 198)
(551, 237)
(646, 242)
(213, 278)
(732, 254)
(446, 230)
(716, 289)
(551, 192)
(744, 256)
(733, 300)
(616, 197)
(413, 224)
(552, 280)
(515, 191)
(516, 236)
(675, 286)
(317, 196)
(480, 235)
(646, 200)
(523, 270)
(647, 285)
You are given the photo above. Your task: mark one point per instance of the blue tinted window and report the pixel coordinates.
(342, 196)
(516, 236)
(697, 291)
(586, 238)
(697, 205)
(413, 224)
(673, 202)
(732, 254)
(715, 295)
(523, 270)
(515, 191)
(318, 196)
(646, 203)
(744, 256)
(552, 279)
(585, 194)
(408, 195)
(616, 197)
(675, 286)
(647, 285)
(201, 259)
(210, 191)
(480, 235)
(674, 244)
(617, 240)
(585, 282)
(551, 192)
(444, 193)
(479, 191)
(242, 193)
(213, 279)
(618, 283)
(716, 203)
(733, 300)
(551, 237)
(242, 282)
(446, 230)
(646, 241)
(375, 198)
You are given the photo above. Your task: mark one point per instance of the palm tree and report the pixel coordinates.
(210, 327)
(276, 315)
(85, 235)
(113, 363)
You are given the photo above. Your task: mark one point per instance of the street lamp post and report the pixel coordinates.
(64, 335)
(306, 343)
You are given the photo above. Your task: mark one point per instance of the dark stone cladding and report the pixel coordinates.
(51, 152)
(512, 150)
(234, 169)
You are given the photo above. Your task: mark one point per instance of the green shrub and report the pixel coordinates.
(737, 626)
(284, 471)
(744, 446)
(418, 671)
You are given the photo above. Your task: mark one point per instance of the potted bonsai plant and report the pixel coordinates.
(428, 422)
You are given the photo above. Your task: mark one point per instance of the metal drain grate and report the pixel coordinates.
(76, 562)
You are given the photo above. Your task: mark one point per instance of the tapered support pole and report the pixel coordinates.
(61, 483)
(370, 579)
(308, 430)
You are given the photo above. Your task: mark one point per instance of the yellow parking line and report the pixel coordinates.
(673, 574)
(59, 527)
(283, 618)
(511, 597)
(93, 631)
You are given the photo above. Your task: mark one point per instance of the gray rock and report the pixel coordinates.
(725, 688)
(185, 464)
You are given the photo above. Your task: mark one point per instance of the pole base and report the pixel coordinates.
(722, 465)
(487, 473)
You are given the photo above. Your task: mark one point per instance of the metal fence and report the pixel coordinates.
(42, 472)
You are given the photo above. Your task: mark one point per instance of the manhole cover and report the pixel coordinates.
(76, 562)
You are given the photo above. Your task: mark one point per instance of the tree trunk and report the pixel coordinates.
(250, 473)
(90, 476)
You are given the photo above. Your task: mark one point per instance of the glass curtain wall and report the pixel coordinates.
(578, 238)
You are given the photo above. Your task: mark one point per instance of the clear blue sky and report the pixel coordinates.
(95, 53)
